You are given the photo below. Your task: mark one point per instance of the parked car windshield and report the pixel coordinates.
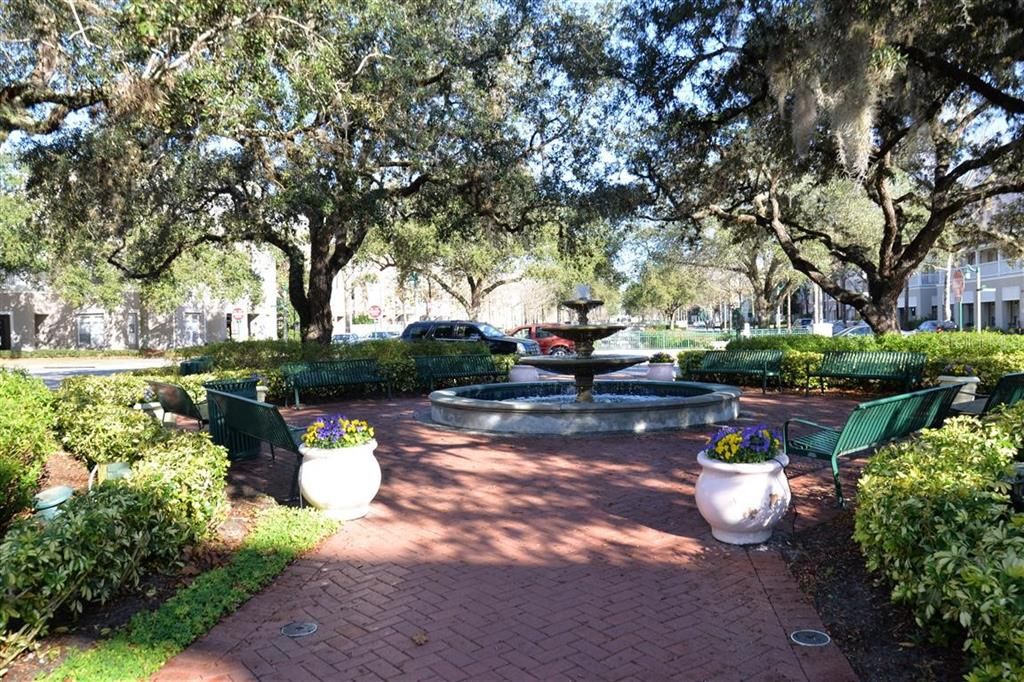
(488, 330)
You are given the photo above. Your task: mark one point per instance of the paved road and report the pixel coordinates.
(54, 370)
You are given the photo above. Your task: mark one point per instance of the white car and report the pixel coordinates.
(856, 330)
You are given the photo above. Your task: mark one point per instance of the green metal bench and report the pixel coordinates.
(431, 368)
(870, 425)
(262, 423)
(239, 445)
(1009, 390)
(325, 373)
(198, 365)
(903, 367)
(762, 363)
(175, 400)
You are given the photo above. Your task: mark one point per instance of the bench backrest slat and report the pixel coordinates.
(741, 359)
(895, 364)
(452, 365)
(1009, 390)
(175, 399)
(259, 420)
(878, 421)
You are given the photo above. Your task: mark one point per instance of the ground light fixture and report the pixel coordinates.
(810, 637)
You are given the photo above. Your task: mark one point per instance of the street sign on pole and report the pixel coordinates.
(237, 314)
(375, 312)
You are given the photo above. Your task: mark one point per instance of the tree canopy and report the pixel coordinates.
(756, 107)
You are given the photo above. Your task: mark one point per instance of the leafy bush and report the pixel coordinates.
(104, 541)
(26, 420)
(991, 355)
(188, 471)
(933, 516)
(395, 357)
(152, 638)
(102, 433)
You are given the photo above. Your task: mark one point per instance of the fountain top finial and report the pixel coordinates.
(582, 303)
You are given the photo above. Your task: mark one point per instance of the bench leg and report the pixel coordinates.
(295, 482)
(273, 455)
(296, 399)
(764, 383)
(841, 503)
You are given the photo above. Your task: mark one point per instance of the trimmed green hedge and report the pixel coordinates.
(105, 540)
(987, 354)
(26, 421)
(933, 516)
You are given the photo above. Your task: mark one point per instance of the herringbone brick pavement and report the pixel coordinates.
(500, 558)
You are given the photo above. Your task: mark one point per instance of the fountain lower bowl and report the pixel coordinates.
(671, 406)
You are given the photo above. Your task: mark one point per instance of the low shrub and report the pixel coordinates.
(188, 471)
(989, 354)
(103, 433)
(104, 541)
(933, 516)
(26, 421)
(153, 637)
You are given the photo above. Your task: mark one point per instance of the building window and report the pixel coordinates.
(192, 333)
(1013, 314)
(91, 333)
(37, 327)
(989, 255)
(132, 330)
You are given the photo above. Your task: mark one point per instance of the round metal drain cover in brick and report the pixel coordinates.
(298, 629)
(810, 638)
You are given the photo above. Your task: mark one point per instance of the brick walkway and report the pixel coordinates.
(489, 558)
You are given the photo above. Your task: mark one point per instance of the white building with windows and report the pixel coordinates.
(999, 295)
(34, 317)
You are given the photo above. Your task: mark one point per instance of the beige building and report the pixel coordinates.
(33, 317)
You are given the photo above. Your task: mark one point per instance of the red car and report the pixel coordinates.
(549, 343)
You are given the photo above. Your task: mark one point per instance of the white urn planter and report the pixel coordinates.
(661, 371)
(341, 482)
(742, 502)
(968, 389)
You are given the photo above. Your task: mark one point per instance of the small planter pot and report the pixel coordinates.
(341, 482)
(661, 371)
(520, 373)
(742, 502)
(968, 390)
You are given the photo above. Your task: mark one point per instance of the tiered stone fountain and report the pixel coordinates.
(584, 406)
(583, 366)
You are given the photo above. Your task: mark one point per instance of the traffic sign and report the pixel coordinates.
(237, 314)
(958, 285)
(375, 312)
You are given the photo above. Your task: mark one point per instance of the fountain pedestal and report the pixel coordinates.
(584, 367)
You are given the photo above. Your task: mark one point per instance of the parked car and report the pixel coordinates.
(860, 329)
(468, 330)
(345, 338)
(936, 326)
(550, 344)
(381, 335)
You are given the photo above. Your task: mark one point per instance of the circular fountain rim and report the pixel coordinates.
(450, 404)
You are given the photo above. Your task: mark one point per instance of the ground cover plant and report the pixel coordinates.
(934, 518)
(151, 638)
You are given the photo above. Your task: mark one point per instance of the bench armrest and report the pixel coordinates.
(805, 422)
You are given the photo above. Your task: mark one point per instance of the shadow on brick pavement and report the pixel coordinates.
(496, 557)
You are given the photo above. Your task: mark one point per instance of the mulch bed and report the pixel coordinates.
(879, 638)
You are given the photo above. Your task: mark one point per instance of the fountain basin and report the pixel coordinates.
(670, 406)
